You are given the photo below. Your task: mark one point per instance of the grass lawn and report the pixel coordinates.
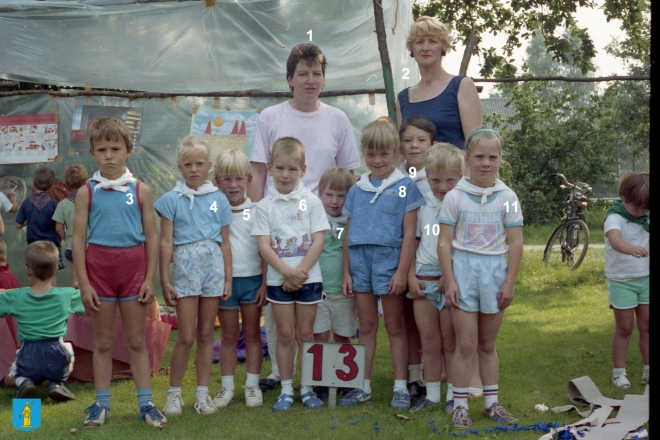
(558, 328)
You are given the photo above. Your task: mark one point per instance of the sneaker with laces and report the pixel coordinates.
(496, 412)
(620, 380)
(174, 405)
(26, 389)
(253, 397)
(152, 416)
(449, 406)
(460, 417)
(203, 404)
(96, 415)
(311, 401)
(58, 392)
(424, 403)
(223, 397)
(283, 403)
(355, 397)
(646, 377)
(416, 389)
(400, 400)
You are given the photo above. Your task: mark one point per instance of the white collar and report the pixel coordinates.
(117, 185)
(365, 184)
(432, 201)
(419, 174)
(299, 192)
(247, 204)
(335, 221)
(465, 186)
(185, 191)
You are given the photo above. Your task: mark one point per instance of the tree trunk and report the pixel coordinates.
(470, 44)
(385, 59)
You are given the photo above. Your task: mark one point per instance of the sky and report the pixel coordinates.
(600, 31)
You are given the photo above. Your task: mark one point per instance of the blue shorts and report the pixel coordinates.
(372, 267)
(311, 293)
(479, 278)
(60, 260)
(69, 255)
(243, 291)
(430, 275)
(49, 359)
(199, 269)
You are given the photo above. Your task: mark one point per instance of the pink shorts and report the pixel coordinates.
(116, 273)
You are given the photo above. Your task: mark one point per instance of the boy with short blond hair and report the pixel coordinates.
(43, 354)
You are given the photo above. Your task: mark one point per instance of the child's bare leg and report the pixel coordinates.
(252, 336)
(367, 307)
(413, 337)
(428, 323)
(396, 332)
(643, 328)
(285, 321)
(448, 341)
(305, 316)
(466, 328)
(625, 323)
(322, 337)
(229, 340)
(74, 277)
(489, 364)
(339, 339)
(133, 315)
(207, 310)
(104, 341)
(186, 311)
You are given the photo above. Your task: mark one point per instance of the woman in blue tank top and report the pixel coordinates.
(451, 102)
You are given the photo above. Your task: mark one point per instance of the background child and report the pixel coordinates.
(43, 355)
(336, 312)
(290, 225)
(627, 233)
(75, 176)
(233, 175)
(444, 167)
(37, 211)
(195, 218)
(116, 263)
(381, 211)
(416, 134)
(474, 230)
(7, 279)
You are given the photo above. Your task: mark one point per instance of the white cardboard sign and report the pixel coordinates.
(333, 365)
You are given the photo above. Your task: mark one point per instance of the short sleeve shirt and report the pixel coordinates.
(428, 230)
(244, 247)
(40, 224)
(622, 267)
(331, 259)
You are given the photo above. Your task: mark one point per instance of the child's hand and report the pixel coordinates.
(505, 295)
(89, 298)
(398, 283)
(452, 295)
(226, 294)
(169, 294)
(639, 252)
(297, 276)
(441, 284)
(291, 286)
(347, 286)
(260, 300)
(416, 287)
(147, 292)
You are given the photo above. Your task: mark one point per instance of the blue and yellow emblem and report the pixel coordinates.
(26, 414)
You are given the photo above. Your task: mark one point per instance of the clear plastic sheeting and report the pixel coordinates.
(186, 47)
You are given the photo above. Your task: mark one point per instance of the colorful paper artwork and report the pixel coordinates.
(225, 129)
(85, 116)
(28, 139)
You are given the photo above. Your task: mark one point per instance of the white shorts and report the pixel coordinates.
(199, 269)
(479, 278)
(337, 313)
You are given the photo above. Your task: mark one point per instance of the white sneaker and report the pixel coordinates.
(620, 380)
(174, 405)
(253, 397)
(203, 404)
(223, 397)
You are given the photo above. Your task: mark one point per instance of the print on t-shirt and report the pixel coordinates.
(293, 246)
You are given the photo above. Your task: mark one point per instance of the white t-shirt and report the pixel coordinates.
(246, 261)
(326, 134)
(428, 230)
(622, 267)
(5, 203)
(481, 228)
(419, 179)
(290, 227)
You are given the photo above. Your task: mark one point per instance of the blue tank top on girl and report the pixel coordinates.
(441, 110)
(115, 217)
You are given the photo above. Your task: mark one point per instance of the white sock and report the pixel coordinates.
(460, 397)
(19, 381)
(252, 380)
(415, 373)
(305, 389)
(367, 386)
(647, 368)
(228, 382)
(200, 391)
(490, 395)
(433, 391)
(450, 392)
(174, 390)
(287, 387)
(618, 370)
(400, 385)
(273, 376)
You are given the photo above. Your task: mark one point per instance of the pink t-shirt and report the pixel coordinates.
(326, 134)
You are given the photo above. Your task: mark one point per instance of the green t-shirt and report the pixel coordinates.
(41, 317)
(331, 260)
(64, 214)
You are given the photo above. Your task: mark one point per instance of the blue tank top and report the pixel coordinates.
(115, 217)
(441, 110)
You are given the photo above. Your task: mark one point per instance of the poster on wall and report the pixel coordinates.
(28, 139)
(84, 116)
(225, 129)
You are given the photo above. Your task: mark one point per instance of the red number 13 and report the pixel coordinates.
(349, 360)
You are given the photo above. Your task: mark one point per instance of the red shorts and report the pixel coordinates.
(116, 273)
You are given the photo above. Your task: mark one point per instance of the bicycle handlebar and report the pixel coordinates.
(570, 185)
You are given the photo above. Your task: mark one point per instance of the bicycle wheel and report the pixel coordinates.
(567, 245)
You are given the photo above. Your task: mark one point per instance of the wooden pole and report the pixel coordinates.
(385, 59)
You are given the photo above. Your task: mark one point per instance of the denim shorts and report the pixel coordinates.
(430, 275)
(629, 294)
(479, 278)
(372, 267)
(243, 291)
(69, 255)
(311, 293)
(48, 359)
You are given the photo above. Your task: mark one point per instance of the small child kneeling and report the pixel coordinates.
(43, 355)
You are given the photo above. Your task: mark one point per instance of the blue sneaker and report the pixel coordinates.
(355, 397)
(311, 401)
(401, 400)
(152, 415)
(96, 415)
(283, 403)
(424, 403)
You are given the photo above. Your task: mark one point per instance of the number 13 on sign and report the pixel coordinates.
(333, 365)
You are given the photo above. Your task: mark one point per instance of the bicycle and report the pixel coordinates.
(568, 244)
